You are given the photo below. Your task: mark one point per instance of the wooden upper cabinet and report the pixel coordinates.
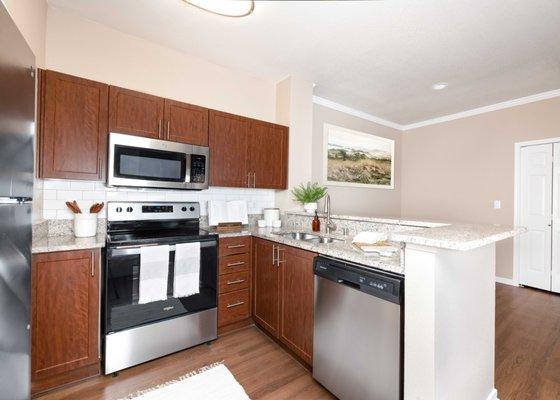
(72, 127)
(185, 123)
(135, 113)
(296, 308)
(268, 155)
(266, 286)
(228, 139)
(65, 316)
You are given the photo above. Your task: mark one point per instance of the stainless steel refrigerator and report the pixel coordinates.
(17, 126)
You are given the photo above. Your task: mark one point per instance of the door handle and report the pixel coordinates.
(235, 304)
(235, 246)
(168, 128)
(273, 251)
(92, 263)
(159, 127)
(235, 264)
(235, 282)
(254, 179)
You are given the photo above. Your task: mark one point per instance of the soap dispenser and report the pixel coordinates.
(316, 224)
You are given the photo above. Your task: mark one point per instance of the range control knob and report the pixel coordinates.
(191, 208)
(128, 209)
(118, 209)
(184, 209)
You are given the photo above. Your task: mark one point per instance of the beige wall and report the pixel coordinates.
(295, 108)
(91, 50)
(454, 171)
(352, 200)
(31, 18)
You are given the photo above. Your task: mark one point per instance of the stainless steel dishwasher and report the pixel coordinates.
(357, 343)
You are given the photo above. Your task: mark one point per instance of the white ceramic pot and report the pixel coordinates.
(85, 225)
(310, 207)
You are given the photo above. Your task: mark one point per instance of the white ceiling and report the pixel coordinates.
(380, 57)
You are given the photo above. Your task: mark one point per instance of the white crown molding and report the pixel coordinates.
(481, 110)
(357, 113)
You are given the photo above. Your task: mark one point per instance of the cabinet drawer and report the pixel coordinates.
(235, 245)
(235, 281)
(233, 307)
(235, 263)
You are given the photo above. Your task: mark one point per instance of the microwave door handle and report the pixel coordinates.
(188, 167)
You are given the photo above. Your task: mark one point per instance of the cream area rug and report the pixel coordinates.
(213, 382)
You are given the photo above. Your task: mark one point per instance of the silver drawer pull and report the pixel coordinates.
(234, 282)
(235, 264)
(235, 246)
(235, 304)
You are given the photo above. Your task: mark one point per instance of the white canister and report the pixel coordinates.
(85, 225)
(270, 215)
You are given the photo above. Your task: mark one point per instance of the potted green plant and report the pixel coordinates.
(308, 195)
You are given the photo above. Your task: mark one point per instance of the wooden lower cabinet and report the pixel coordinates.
(65, 318)
(234, 283)
(283, 295)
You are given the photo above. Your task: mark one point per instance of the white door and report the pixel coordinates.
(536, 214)
(556, 220)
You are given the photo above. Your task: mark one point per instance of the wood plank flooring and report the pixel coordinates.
(527, 359)
(263, 369)
(527, 344)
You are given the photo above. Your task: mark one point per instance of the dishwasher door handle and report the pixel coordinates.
(348, 283)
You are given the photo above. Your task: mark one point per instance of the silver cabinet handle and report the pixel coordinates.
(168, 128)
(159, 127)
(235, 264)
(248, 179)
(235, 246)
(278, 262)
(254, 179)
(92, 263)
(235, 282)
(100, 167)
(273, 257)
(235, 304)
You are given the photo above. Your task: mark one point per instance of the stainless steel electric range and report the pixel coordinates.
(137, 331)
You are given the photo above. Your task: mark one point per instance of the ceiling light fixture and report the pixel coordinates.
(440, 85)
(225, 8)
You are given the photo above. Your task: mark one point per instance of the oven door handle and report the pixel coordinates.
(132, 250)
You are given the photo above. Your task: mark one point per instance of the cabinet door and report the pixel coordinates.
(72, 127)
(268, 155)
(266, 286)
(65, 315)
(296, 304)
(228, 137)
(186, 123)
(135, 113)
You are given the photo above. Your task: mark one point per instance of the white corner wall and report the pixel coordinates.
(91, 50)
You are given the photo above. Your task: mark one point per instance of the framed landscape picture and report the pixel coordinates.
(352, 158)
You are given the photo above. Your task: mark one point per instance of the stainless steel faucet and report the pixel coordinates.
(329, 226)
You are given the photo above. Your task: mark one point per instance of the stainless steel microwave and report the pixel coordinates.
(151, 163)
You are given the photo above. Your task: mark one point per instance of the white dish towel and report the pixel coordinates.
(154, 270)
(187, 269)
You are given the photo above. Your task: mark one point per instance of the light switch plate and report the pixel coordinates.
(497, 204)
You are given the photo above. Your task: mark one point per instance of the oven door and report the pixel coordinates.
(122, 274)
(143, 162)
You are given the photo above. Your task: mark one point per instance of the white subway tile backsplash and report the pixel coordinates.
(58, 185)
(82, 185)
(69, 195)
(56, 192)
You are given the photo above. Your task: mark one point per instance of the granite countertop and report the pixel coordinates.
(462, 237)
(343, 250)
(49, 244)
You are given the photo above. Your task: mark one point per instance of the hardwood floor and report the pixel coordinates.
(527, 359)
(263, 369)
(527, 344)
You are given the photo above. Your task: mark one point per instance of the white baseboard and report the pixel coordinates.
(493, 395)
(506, 281)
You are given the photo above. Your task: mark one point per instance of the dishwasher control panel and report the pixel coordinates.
(377, 283)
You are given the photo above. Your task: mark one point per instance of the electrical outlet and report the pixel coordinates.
(497, 204)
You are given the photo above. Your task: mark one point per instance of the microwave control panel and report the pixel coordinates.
(198, 168)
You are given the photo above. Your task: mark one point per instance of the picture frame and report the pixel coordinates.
(358, 159)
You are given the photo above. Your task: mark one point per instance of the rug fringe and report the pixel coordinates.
(183, 377)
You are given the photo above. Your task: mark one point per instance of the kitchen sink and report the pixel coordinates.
(309, 237)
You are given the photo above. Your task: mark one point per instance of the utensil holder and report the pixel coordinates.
(85, 225)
